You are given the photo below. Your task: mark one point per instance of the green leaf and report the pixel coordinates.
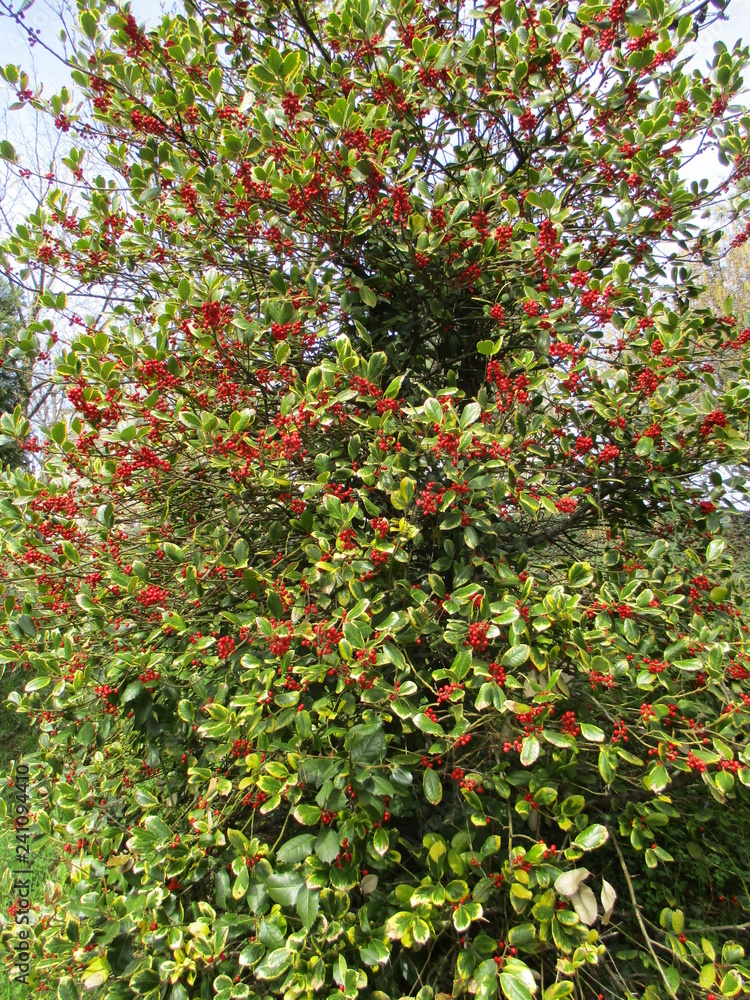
(66, 989)
(214, 81)
(284, 888)
(469, 415)
(328, 846)
(241, 883)
(367, 745)
(461, 210)
(308, 904)
(433, 789)
(296, 849)
(368, 296)
(393, 388)
(433, 410)
(707, 976)
(59, 432)
(513, 988)
(592, 837)
(240, 551)
(529, 750)
(381, 841)
(558, 991)
(38, 683)
(516, 655)
(86, 734)
(131, 692)
(731, 984)
(307, 815)
(606, 766)
(715, 548)
(303, 724)
(273, 965)
(464, 914)
(644, 447)
(399, 924)
(591, 733)
(421, 721)
(580, 574)
(88, 23)
(395, 656)
(28, 627)
(174, 552)
(185, 710)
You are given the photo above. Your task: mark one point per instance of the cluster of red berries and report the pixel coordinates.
(149, 124)
(152, 595)
(279, 644)
(380, 526)
(240, 748)
(526, 719)
(605, 680)
(715, 419)
(568, 721)
(566, 505)
(431, 498)
(620, 732)
(80, 845)
(730, 765)
(103, 691)
(225, 646)
(497, 673)
(426, 762)
(291, 105)
(477, 637)
(654, 666)
(445, 692)
(608, 453)
(253, 801)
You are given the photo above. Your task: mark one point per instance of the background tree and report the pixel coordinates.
(14, 375)
(380, 632)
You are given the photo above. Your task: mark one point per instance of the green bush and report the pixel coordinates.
(371, 603)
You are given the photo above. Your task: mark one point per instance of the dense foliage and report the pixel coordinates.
(15, 383)
(372, 604)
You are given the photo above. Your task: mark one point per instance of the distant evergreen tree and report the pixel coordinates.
(14, 373)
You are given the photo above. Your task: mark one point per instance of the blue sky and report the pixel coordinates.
(42, 17)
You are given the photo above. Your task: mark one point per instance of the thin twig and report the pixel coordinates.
(638, 916)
